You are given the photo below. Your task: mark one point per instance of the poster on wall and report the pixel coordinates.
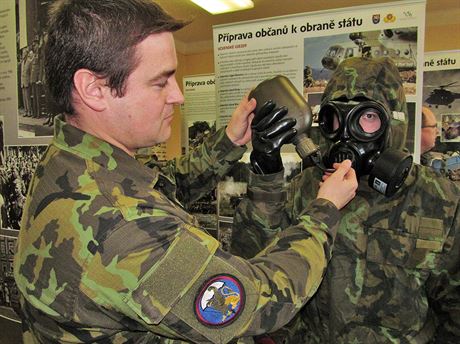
(441, 101)
(199, 109)
(199, 122)
(307, 48)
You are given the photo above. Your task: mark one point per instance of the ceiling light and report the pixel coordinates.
(224, 6)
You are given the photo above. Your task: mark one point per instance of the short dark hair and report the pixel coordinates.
(99, 35)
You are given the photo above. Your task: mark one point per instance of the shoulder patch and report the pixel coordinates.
(219, 301)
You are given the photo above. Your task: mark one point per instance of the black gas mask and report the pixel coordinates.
(358, 130)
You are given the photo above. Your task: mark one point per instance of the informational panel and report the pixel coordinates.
(307, 48)
(199, 109)
(8, 69)
(441, 95)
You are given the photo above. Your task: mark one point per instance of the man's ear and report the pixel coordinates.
(90, 89)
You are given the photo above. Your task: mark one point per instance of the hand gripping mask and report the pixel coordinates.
(356, 120)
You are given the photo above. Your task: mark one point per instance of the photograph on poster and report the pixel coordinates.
(9, 294)
(17, 168)
(198, 130)
(36, 107)
(314, 100)
(441, 94)
(205, 208)
(322, 55)
(450, 127)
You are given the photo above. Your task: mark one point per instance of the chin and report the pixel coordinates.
(166, 135)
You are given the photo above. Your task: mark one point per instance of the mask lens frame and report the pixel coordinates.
(362, 108)
(329, 118)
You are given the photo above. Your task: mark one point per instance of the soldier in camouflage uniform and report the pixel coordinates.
(395, 273)
(106, 252)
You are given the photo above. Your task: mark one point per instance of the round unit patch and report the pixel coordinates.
(220, 301)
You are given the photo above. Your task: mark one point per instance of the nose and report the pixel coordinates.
(175, 95)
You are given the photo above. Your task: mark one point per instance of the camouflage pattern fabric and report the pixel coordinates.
(106, 253)
(394, 276)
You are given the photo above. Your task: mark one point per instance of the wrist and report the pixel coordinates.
(266, 163)
(235, 139)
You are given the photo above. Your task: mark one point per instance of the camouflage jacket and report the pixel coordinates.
(107, 254)
(395, 273)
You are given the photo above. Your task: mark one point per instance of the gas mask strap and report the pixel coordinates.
(317, 161)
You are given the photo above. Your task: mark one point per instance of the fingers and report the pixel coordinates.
(263, 111)
(280, 140)
(239, 127)
(279, 127)
(249, 106)
(340, 186)
(270, 118)
(341, 169)
(351, 174)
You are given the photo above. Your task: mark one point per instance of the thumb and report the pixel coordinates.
(343, 169)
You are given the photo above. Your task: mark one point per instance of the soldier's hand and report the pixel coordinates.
(239, 127)
(339, 187)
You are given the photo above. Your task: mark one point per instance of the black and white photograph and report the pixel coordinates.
(8, 289)
(36, 107)
(16, 170)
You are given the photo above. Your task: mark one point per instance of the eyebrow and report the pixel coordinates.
(165, 74)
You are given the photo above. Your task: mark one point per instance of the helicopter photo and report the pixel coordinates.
(441, 95)
(398, 44)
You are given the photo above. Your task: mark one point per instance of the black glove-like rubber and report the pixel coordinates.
(270, 130)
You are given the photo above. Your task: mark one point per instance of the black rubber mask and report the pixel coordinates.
(358, 131)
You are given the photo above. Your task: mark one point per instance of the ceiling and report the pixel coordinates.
(197, 36)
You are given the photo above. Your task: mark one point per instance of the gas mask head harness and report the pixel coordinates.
(358, 130)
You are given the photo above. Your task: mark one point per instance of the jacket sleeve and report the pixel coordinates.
(197, 173)
(197, 292)
(260, 215)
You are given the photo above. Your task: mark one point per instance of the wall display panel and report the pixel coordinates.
(199, 109)
(307, 48)
(199, 122)
(441, 94)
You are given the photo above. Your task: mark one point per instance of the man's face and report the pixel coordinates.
(429, 131)
(143, 116)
